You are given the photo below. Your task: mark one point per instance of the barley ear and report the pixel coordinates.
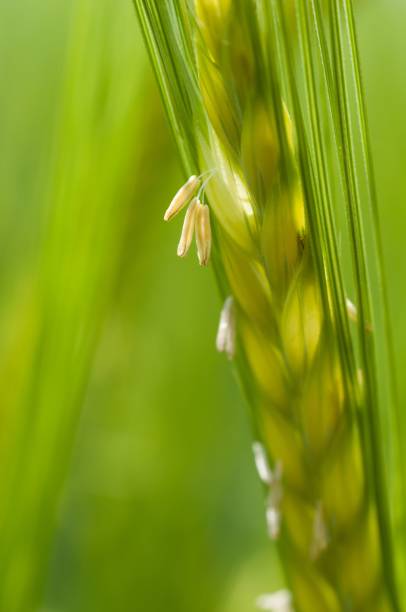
(262, 95)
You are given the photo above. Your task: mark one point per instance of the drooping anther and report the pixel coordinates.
(261, 462)
(187, 229)
(273, 521)
(182, 197)
(203, 233)
(225, 340)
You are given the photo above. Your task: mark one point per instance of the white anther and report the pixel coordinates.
(225, 340)
(273, 522)
(261, 462)
(351, 310)
(353, 314)
(280, 601)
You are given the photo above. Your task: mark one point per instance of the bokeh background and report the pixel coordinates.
(126, 476)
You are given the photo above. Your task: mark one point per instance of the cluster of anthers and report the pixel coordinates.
(197, 217)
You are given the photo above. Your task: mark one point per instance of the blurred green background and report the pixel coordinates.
(126, 476)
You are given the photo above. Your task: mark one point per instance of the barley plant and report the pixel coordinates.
(266, 103)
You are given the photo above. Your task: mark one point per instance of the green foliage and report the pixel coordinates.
(83, 202)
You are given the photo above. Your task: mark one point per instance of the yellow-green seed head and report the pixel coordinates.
(212, 20)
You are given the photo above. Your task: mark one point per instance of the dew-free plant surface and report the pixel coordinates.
(126, 474)
(266, 102)
(77, 196)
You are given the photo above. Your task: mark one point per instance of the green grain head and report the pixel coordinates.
(269, 189)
